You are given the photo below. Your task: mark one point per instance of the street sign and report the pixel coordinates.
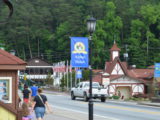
(79, 74)
(157, 70)
(79, 52)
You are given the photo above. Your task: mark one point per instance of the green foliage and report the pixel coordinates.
(115, 97)
(43, 27)
(85, 74)
(49, 80)
(63, 83)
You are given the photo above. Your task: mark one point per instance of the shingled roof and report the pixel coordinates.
(115, 48)
(9, 59)
(10, 62)
(141, 73)
(37, 62)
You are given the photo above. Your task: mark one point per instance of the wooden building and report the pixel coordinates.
(37, 70)
(9, 104)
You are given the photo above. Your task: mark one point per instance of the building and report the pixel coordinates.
(118, 77)
(37, 70)
(9, 102)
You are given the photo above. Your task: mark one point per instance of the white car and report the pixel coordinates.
(82, 90)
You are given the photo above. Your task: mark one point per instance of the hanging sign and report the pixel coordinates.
(79, 52)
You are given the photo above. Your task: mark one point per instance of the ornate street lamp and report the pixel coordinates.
(10, 6)
(91, 25)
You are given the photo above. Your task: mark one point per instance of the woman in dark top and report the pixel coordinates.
(39, 103)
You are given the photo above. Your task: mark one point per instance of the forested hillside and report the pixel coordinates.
(41, 28)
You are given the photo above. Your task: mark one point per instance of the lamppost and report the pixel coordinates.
(91, 25)
(10, 6)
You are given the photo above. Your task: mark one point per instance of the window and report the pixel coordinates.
(6, 89)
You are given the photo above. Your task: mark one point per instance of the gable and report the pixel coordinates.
(116, 67)
(117, 70)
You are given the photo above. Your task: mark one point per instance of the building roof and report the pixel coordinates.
(9, 59)
(109, 66)
(151, 67)
(141, 73)
(37, 62)
(115, 48)
(97, 78)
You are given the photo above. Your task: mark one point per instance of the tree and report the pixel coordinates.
(49, 80)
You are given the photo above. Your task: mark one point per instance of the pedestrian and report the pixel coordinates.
(26, 94)
(34, 89)
(119, 93)
(40, 105)
(26, 112)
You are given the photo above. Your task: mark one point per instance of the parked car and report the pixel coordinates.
(82, 90)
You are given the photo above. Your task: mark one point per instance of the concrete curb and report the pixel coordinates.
(149, 104)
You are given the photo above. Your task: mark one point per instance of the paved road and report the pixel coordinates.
(78, 109)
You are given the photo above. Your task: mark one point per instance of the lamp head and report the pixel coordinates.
(91, 25)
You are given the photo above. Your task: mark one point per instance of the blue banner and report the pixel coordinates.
(79, 52)
(79, 74)
(157, 70)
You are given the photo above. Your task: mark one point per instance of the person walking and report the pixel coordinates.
(34, 89)
(26, 94)
(40, 104)
(26, 112)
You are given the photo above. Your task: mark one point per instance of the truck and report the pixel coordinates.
(81, 90)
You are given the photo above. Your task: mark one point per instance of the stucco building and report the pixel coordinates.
(119, 77)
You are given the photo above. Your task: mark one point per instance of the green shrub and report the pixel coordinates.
(115, 97)
(110, 97)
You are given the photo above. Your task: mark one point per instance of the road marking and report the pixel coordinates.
(125, 108)
(111, 118)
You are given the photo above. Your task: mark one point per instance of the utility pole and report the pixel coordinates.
(147, 47)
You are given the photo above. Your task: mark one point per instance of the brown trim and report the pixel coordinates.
(12, 67)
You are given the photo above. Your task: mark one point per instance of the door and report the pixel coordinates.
(124, 92)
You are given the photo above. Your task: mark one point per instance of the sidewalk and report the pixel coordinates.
(149, 104)
(146, 103)
(62, 114)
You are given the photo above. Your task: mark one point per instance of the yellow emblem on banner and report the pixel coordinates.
(79, 47)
